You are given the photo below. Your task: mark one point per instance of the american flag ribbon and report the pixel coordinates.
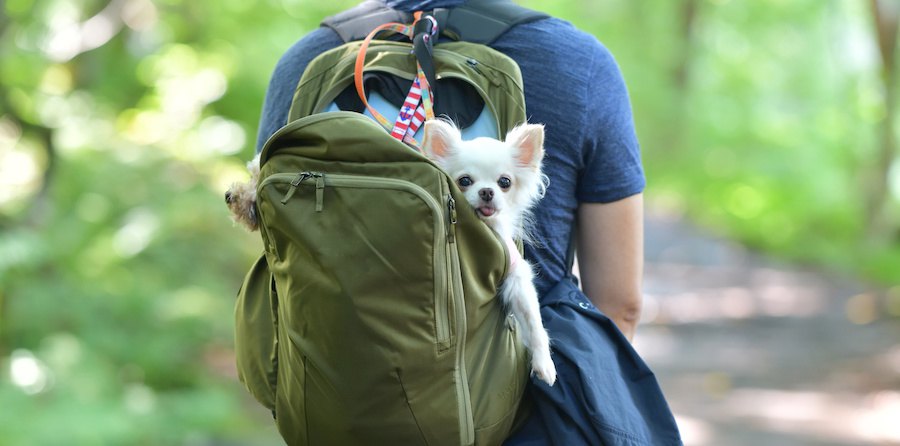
(415, 110)
(417, 120)
(407, 111)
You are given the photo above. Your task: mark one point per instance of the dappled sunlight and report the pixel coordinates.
(78, 125)
(863, 308)
(139, 399)
(219, 136)
(144, 127)
(183, 86)
(806, 416)
(29, 373)
(226, 173)
(21, 164)
(745, 201)
(695, 432)
(20, 171)
(191, 302)
(894, 179)
(878, 421)
(872, 418)
(57, 80)
(136, 233)
(890, 360)
(68, 36)
(752, 351)
(704, 303)
(183, 94)
(751, 354)
(211, 137)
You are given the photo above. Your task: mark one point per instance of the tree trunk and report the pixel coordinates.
(680, 111)
(886, 15)
(688, 15)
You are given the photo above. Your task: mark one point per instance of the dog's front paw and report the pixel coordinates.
(542, 366)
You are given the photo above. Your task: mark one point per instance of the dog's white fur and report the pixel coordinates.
(482, 167)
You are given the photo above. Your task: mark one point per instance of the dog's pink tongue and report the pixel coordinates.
(486, 211)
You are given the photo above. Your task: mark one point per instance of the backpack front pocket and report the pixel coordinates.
(368, 293)
(383, 223)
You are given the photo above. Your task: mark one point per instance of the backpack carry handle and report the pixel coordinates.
(424, 33)
(476, 21)
(418, 106)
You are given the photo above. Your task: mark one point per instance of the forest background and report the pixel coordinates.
(122, 122)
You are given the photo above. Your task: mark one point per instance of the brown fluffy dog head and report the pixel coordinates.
(241, 198)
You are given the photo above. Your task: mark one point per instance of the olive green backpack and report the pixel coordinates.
(371, 318)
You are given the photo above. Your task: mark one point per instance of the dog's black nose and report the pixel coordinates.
(228, 197)
(486, 194)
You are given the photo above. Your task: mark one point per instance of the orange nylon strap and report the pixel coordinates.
(408, 31)
(360, 64)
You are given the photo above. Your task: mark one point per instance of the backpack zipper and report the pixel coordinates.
(455, 288)
(295, 183)
(492, 77)
(451, 216)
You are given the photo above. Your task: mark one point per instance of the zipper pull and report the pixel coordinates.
(451, 207)
(490, 73)
(320, 191)
(295, 183)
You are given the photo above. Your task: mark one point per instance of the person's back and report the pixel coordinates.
(574, 87)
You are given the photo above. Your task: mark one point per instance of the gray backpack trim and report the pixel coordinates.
(477, 21)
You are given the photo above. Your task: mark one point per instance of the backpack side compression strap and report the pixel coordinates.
(476, 21)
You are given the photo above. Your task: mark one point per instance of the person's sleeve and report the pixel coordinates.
(612, 158)
(285, 77)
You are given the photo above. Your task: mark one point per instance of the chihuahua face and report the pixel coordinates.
(500, 179)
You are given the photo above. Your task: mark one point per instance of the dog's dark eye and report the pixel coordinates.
(504, 183)
(465, 181)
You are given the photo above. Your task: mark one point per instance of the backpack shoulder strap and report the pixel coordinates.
(484, 21)
(477, 21)
(357, 22)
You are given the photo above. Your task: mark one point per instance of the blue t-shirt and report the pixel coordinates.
(572, 85)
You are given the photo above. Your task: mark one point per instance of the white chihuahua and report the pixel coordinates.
(502, 181)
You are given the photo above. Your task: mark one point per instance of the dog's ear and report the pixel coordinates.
(439, 139)
(529, 139)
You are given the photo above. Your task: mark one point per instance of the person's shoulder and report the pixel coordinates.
(559, 27)
(320, 38)
(553, 51)
(301, 52)
(559, 37)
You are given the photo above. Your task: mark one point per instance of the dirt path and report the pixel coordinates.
(750, 351)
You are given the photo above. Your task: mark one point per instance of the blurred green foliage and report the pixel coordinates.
(122, 122)
(760, 120)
